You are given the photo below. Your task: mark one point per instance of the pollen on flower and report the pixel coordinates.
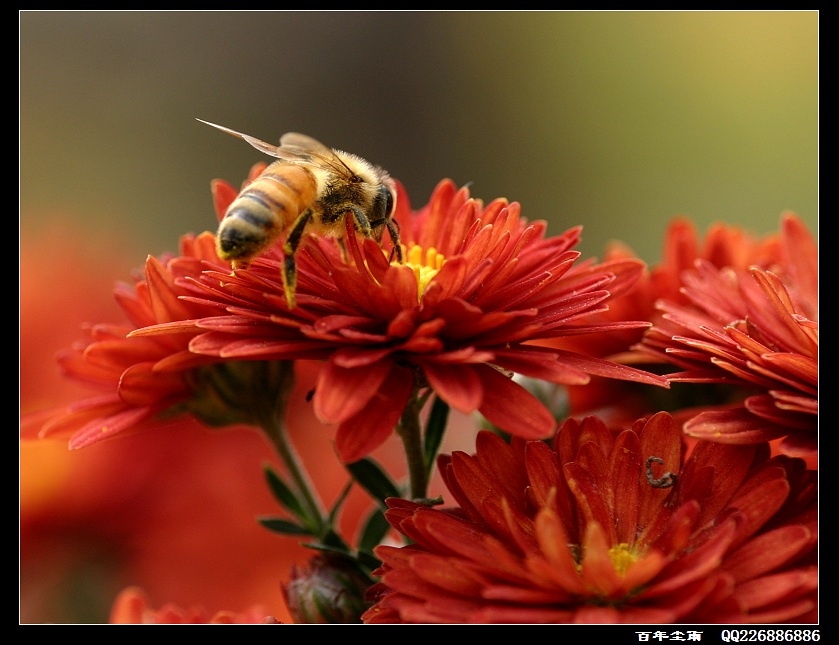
(426, 269)
(622, 557)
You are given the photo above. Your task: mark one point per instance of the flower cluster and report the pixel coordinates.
(603, 528)
(755, 326)
(649, 451)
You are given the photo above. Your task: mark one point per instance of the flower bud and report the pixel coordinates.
(329, 589)
(239, 392)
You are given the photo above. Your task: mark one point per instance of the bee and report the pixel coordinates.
(310, 187)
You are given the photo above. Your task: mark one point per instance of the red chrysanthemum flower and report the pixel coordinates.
(140, 377)
(132, 607)
(756, 328)
(722, 246)
(479, 284)
(600, 527)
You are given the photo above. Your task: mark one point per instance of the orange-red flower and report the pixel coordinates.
(600, 527)
(139, 377)
(173, 512)
(790, 253)
(755, 328)
(132, 608)
(479, 284)
(723, 245)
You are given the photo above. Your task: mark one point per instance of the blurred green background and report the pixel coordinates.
(614, 120)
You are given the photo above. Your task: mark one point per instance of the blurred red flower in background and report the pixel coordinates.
(139, 378)
(173, 512)
(740, 314)
(755, 327)
(132, 608)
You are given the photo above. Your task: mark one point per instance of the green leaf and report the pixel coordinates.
(374, 530)
(284, 495)
(329, 548)
(435, 429)
(331, 539)
(367, 562)
(279, 525)
(373, 479)
(336, 507)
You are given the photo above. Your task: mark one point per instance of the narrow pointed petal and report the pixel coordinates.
(342, 392)
(370, 427)
(513, 408)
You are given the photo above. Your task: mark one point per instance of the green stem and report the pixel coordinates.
(410, 431)
(258, 393)
(275, 429)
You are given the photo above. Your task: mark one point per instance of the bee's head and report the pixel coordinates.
(386, 199)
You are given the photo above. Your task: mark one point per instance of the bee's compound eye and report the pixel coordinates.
(387, 199)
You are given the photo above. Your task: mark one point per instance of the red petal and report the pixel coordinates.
(454, 576)
(163, 293)
(600, 367)
(732, 426)
(543, 472)
(767, 590)
(457, 385)
(660, 438)
(342, 392)
(597, 570)
(103, 428)
(361, 434)
(554, 540)
(767, 552)
(512, 408)
(625, 464)
(590, 502)
(223, 196)
(139, 385)
(693, 565)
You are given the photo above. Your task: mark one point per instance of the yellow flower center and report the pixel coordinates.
(623, 557)
(424, 269)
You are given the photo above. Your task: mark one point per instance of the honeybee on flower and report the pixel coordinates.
(311, 186)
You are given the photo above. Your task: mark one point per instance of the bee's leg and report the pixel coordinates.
(295, 234)
(393, 229)
(362, 222)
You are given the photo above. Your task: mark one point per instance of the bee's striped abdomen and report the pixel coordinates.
(263, 210)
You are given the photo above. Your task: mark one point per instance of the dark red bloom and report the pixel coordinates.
(479, 285)
(600, 527)
(755, 328)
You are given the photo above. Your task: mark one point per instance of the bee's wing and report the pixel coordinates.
(294, 147)
(304, 144)
(262, 146)
(301, 147)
